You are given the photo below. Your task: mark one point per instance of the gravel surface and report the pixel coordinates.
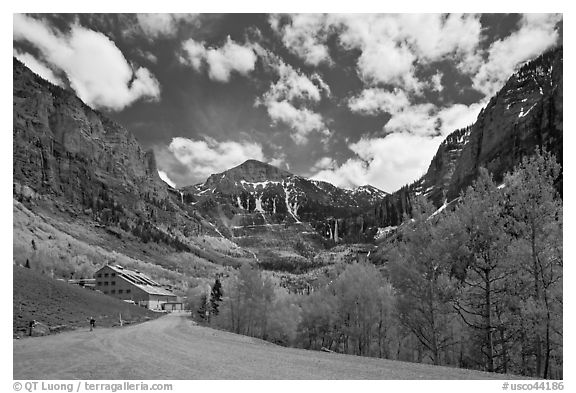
(173, 347)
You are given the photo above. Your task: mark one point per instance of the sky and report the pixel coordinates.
(352, 99)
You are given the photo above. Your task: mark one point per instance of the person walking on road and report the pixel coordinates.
(31, 325)
(92, 323)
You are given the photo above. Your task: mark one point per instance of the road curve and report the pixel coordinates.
(173, 347)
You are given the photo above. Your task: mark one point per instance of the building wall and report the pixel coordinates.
(155, 302)
(173, 307)
(111, 284)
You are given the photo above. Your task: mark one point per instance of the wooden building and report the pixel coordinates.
(132, 285)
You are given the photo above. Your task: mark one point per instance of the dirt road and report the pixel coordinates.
(172, 347)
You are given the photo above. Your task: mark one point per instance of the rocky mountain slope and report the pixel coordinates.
(259, 194)
(75, 168)
(524, 115)
(70, 154)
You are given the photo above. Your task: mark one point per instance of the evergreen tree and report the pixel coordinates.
(215, 297)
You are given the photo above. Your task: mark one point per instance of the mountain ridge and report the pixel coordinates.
(257, 193)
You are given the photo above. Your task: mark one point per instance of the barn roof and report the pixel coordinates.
(141, 281)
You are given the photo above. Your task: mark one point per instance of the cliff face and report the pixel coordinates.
(65, 152)
(525, 114)
(63, 147)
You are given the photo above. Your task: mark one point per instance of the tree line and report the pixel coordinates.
(477, 286)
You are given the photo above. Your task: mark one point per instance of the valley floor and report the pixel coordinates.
(174, 347)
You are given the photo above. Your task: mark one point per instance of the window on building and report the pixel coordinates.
(105, 283)
(113, 291)
(99, 275)
(99, 283)
(120, 291)
(105, 292)
(113, 275)
(105, 274)
(127, 291)
(112, 282)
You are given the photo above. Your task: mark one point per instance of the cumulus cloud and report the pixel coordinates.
(385, 162)
(221, 62)
(190, 161)
(537, 33)
(162, 25)
(286, 100)
(301, 120)
(423, 119)
(390, 45)
(96, 69)
(304, 35)
(38, 67)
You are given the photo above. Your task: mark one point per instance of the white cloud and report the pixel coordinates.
(294, 85)
(305, 36)
(415, 119)
(164, 176)
(392, 45)
(536, 34)
(279, 160)
(286, 100)
(195, 52)
(324, 163)
(221, 62)
(38, 67)
(162, 25)
(385, 162)
(95, 67)
(198, 159)
(301, 120)
(458, 116)
(420, 119)
(436, 82)
(376, 100)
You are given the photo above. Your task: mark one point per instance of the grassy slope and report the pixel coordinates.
(172, 347)
(55, 303)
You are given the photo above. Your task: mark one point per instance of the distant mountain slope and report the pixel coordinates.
(524, 115)
(255, 193)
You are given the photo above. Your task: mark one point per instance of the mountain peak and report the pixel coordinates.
(251, 171)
